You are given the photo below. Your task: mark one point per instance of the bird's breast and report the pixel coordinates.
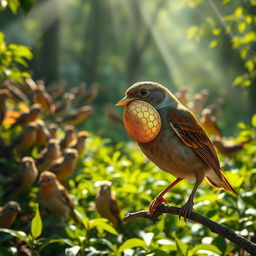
(142, 121)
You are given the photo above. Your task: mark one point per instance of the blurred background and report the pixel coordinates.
(191, 44)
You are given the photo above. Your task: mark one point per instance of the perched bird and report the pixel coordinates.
(24, 179)
(197, 104)
(26, 139)
(8, 214)
(65, 166)
(79, 144)
(182, 96)
(56, 89)
(42, 135)
(69, 138)
(209, 123)
(14, 92)
(29, 86)
(90, 95)
(48, 156)
(79, 91)
(41, 97)
(3, 104)
(54, 195)
(64, 104)
(77, 116)
(106, 204)
(27, 117)
(53, 128)
(112, 115)
(170, 136)
(229, 148)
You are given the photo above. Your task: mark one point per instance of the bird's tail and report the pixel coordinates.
(220, 183)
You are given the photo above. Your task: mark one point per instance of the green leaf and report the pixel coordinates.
(13, 5)
(182, 247)
(36, 224)
(73, 251)
(107, 228)
(254, 120)
(205, 247)
(131, 243)
(213, 43)
(19, 234)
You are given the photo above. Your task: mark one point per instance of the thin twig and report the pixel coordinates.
(213, 226)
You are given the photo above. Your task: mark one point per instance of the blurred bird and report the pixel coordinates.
(53, 128)
(3, 104)
(43, 135)
(170, 136)
(27, 117)
(229, 148)
(77, 116)
(69, 138)
(216, 106)
(79, 91)
(79, 144)
(182, 96)
(65, 166)
(48, 156)
(24, 179)
(54, 195)
(29, 86)
(89, 95)
(64, 104)
(106, 204)
(56, 89)
(8, 214)
(197, 105)
(14, 92)
(26, 139)
(112, 115)
(209, 123)
(41, 97)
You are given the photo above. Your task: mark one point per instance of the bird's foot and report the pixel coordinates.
(186, 210)
(157, 201)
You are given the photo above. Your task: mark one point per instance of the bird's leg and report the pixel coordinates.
(159, 198)
(186, 209)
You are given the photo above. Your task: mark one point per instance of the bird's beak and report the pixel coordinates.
(124, 101)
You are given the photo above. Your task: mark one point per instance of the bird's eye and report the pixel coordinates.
(144, 92)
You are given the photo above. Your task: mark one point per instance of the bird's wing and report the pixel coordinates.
(191, 133)
(114, 208)
(65, 197)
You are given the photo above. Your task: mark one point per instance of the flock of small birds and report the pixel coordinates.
(43, 119)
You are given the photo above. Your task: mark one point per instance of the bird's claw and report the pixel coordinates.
(186, 210)
(157, 201)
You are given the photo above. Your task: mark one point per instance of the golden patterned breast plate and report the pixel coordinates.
(142, 121)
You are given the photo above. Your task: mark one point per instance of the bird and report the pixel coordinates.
(26, 117)
(64, 104)
(197, 104)
(112, 115)
(79, 144)
(14, 92)
(8, 214)
(42, 135)
(170, 136)
(65, 166)
(90, 95)
(56, 89)
(181, 95)
(3, 104)
(24, 179)
(48, 156)
(77, 116)
(209, 123)
(53, 128)
(54, 196)
(229, 148)
(106, 204)
(26, 140)
(70, 136)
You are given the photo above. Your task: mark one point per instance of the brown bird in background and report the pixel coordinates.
(24, 179)
(53, 129)
(48, 156)
(41, 97)
(106, 204)
(26, 139)
(77, 116)
(79, 91)
(182, 96)
(29, 86)
(170, 136)
(3, 104)
(229, 148)
(65, 166)
(8, 214)
(209, 123)
(56, 89)
(27, 117)
(42, 135)
(112, 115)
(54, 196)
(79, 144)
(64, 104)
(14, 92)
(69, 138)
(90, 95)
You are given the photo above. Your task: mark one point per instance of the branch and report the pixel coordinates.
(213, 226)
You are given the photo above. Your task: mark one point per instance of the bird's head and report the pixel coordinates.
(47, 179)
(11, 208)
(70, 153)
(27, 162)
(35, 109)
(105, 188)
(151, 92)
